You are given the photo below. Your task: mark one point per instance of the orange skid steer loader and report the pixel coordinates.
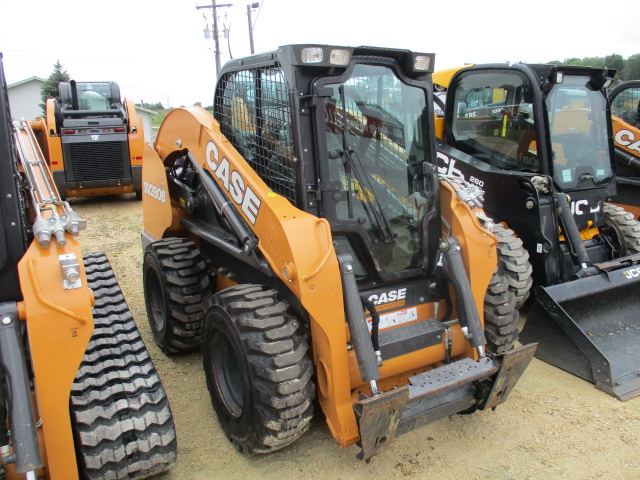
(302, 238)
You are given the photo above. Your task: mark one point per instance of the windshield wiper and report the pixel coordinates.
(365, 184)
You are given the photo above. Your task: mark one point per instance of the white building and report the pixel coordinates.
(144, 115)
(25, 100)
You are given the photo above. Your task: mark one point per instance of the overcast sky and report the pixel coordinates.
(156, 50)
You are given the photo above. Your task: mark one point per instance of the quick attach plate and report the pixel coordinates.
(513, 365)
(378, 419)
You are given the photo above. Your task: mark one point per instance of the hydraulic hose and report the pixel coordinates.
(375, 327)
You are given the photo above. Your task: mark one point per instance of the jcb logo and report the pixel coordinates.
(626, 138)
(447, 166)
(579, 207)
(633, 273)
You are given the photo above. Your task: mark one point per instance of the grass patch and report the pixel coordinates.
(156, 120)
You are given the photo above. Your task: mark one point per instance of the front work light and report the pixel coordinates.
(339, 57)
(312, 55)
(422, 63)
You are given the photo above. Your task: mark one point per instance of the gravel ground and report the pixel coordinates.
(553, 426)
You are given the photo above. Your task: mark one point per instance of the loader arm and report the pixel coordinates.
(58, 314)
(297, 246)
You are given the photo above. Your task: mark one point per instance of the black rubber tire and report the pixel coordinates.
(514, 260)
(500, 315)
(258, 371)
(176, 285)
(622, 229)
(120, 413)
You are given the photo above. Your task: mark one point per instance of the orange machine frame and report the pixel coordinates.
(59, 325)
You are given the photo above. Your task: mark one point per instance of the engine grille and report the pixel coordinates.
(97, 161)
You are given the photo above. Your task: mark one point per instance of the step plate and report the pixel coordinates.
(447, 377)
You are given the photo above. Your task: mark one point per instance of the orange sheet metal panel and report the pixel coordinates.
(59, 325)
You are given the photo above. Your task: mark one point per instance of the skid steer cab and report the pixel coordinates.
(304, 240)
(538, 140)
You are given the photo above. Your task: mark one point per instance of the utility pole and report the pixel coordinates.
(249, 7)
(216, 43)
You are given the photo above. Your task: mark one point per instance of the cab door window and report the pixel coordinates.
(494, 123)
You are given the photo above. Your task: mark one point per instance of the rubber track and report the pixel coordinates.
(515, 263)
(500, 315)
(121, 414)
(277, 352)
(187, 282)
(629, 227)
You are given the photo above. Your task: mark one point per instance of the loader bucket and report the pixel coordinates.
(590, 327)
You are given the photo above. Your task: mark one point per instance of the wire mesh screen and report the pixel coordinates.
(626, 105)
(254, 112)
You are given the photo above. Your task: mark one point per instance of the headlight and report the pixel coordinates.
(339, 57)
(312, 55)
(422, 63)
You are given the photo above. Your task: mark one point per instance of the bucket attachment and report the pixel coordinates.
(590, 327)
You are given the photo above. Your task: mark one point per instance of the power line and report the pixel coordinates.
(216, 41)
(258, 14)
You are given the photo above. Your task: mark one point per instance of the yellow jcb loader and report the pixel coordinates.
(625, 117)
(303, 239)
(538, 140)
(92, 140)
(79, 395)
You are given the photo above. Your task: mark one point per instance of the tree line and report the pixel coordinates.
(626, 69)
(150, 106)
